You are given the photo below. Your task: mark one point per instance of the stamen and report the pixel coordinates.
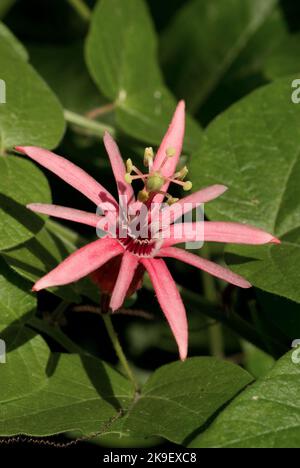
(129, 166)
(185, 185)
(129, 178)
(170, 152)
(143, 195)
(163, 163)
(182, 173)
(171, 200)
(137, 171)
(148, 157)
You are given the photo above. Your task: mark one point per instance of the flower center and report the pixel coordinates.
(139, 246)
(155, 180)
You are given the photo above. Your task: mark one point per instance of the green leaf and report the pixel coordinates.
(186, 394)
(83, 394)
(209, 39)
(44, 393)
(32, 114)
(71, 241)
(254, 149)
(40, 255)
(284, 59)
(271, 308)
(256, 362)
(264, 416)
(16, 301)
(8, 36)
(127, 72)
(64, 70)
(53, 331)
(20, 183)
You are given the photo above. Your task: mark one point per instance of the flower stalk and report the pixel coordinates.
(119, 350)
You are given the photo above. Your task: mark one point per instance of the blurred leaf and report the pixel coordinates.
(64, 70)
(281, 312)
(285, 58)
(5, 6)
(208, 38)
(187, 394)
(32, 114)
(155, 334)
(44, 393)
(21, 182)
(252, 58)
(8, 36)
(16, 300)
(266, 415)
(127, 72)
(253, 148)
(256, 362)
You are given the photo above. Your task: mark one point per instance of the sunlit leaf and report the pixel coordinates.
(127, 72)
(254, 149)
(267, 415)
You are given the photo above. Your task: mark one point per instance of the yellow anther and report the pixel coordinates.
(187, 186)
(148, 156)
(129, 166)
(170, 152)
(128, 178)
(182, 173)
(143, 195)
(172, 200)
(155, 182)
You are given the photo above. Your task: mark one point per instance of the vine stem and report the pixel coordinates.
(81, 8)
(106, 109)
(131, 312)
(116, 343)
(94, 127)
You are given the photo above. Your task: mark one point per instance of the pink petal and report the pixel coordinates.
(118, 168)
(81, 263)
(192, 201)
(78, 216)
(234, 233)
(179, 233)
(205, 265)
(172, 139)
(125, 277)
(70, 173)
(170, 301)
